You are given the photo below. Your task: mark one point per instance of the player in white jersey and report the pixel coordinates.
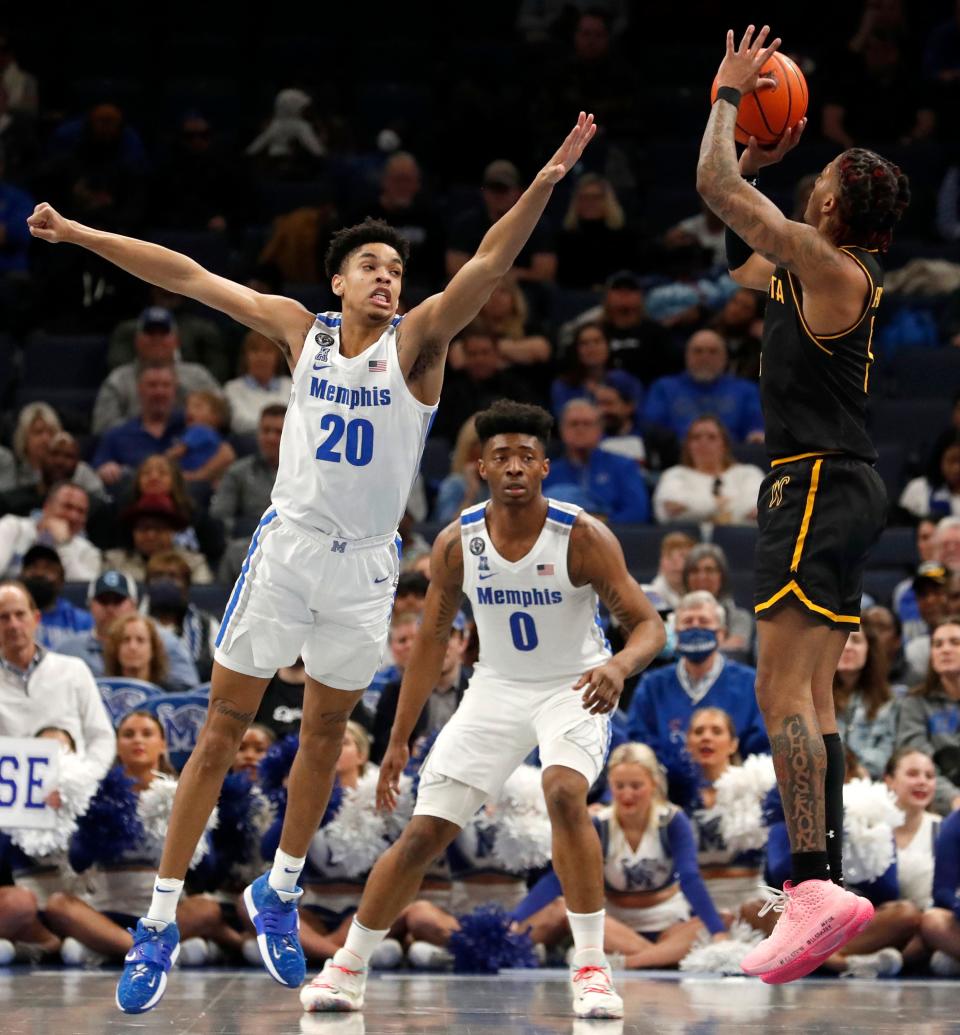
(533, 569)
(319, 577)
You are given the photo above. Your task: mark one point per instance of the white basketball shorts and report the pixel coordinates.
(496, 726)
(304, 593)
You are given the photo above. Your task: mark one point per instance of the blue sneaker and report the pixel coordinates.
(278, 932)
(145, 967)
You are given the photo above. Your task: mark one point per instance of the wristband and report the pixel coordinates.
(730, 94)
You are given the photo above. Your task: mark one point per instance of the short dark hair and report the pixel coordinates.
(874, 194)
(370, 231)
(506, 417)
(412, 583)
(274, 410)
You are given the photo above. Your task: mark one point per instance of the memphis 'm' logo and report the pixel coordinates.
(776, 491)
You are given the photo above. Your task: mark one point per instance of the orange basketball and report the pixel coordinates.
(768, 113)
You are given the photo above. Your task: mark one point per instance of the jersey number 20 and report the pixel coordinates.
(358, 449)
(523, 630)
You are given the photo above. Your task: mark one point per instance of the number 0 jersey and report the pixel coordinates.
(352, 438)
(534, 625)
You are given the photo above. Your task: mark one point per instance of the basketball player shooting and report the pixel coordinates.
(823, 504)
(533, 569)
(319, 577)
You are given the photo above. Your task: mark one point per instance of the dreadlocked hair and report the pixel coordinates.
(370, 231)
(874, 194)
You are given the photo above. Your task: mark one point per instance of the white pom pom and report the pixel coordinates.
(722, 957)
(870, 815)
(154, 806)
(523, 838)
(77, 784)
(357, 836)
(740, 793)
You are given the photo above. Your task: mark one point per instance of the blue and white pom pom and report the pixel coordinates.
(154, 808)
(77, 783)
(870, 816)
(485, 944)
(356, 836)
(741, 790)
(523, 838)
(722, 957)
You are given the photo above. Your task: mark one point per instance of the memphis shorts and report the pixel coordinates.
(303, 593)
(496, 726)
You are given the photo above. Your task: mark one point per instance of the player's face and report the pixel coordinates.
(945, 650)
(827, 185)
(370, 282)
(632, 788)
(514, 466)
(709, 740)
(854, 656)
(914, 781)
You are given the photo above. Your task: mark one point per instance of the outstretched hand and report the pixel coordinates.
(47, 224)
(602, 688)
(740, 68)
(756, 157)
(569, 152)
(391, 769)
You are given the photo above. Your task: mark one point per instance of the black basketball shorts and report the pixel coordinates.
(818, 516)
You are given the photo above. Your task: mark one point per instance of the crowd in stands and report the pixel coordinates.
(139, 441)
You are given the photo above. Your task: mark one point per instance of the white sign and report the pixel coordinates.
(29, 767)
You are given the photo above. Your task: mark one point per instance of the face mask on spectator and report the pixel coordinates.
(43, 591)
(697, 645)
(167, 597)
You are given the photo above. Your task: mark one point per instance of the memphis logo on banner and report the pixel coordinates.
(28, 773)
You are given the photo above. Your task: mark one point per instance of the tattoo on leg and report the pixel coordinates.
(800, 761)
(223, 708)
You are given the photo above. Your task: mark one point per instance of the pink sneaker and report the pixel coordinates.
(816, 918)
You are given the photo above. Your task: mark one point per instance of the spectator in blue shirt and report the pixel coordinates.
(15, 206)
(603, 483)
(42, 573)
(156, 429)
(666, 698)
(674, 402)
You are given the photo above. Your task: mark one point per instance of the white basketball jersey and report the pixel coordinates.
(534, 624)
(352, 438)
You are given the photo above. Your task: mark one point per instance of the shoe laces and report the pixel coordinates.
(317, 983)
(589, 972)
(775, 900)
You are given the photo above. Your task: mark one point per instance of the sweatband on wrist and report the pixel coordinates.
(738, 251)
(730, 94)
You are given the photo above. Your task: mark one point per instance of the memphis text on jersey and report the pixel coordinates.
(519, 597)
(352, 398)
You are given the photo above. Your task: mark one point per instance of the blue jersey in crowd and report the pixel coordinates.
(675, 403)
(661, 708)
(608, 484)
(62, 621)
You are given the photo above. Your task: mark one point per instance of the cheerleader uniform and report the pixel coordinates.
(479, 876)
(732, 878)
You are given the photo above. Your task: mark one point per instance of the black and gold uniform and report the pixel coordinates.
(823, 505)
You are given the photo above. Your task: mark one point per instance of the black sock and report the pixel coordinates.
(809, 866)
(833, 801)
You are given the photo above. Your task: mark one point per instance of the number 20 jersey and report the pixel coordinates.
(534, 625)
(352, 438)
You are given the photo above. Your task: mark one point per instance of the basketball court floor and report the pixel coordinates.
(245, 1002)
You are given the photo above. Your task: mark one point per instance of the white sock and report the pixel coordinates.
(360, 943)
(283, 876)
(163, 905)
(587, 930)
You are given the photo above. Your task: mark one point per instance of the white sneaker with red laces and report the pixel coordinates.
(592, 984)
(338, 988)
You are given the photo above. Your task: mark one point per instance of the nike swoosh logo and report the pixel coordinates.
(489, 575)
(324, 367)
(164, 891)
(287, 870)
(384, 579)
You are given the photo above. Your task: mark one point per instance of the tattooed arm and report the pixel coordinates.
(595, 558)
(802, 249)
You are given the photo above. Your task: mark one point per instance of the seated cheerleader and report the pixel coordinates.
(891, 939)
(940, 926)
(121, 855)
(733, 877)
(484, 869)
(254, 744)
(35, 878)
(650, 872)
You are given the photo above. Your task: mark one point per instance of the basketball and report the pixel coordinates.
(769, 112)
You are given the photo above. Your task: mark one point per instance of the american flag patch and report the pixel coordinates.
(377, 366)
(544, 569)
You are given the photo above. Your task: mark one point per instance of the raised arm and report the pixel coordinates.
(426, 661)
(427, 330)
(596, 559)
(282, 320)
(755, 219)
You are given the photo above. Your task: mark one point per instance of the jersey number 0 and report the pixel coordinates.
(358, 448)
